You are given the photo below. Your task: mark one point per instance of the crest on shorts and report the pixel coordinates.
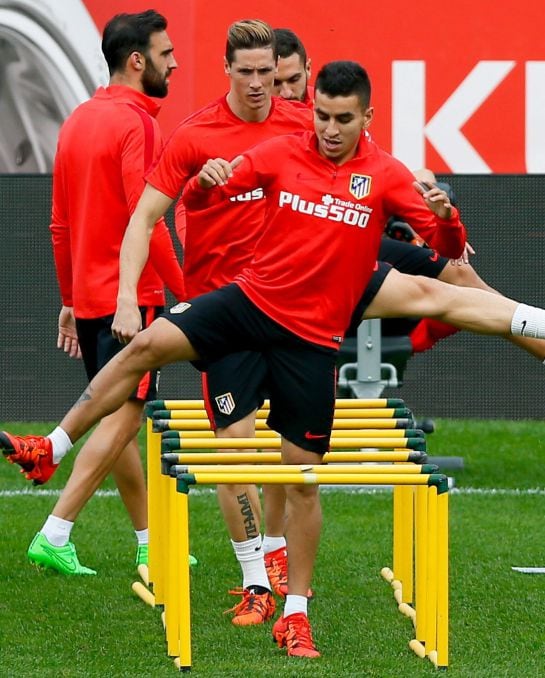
(360, 185)
(225, 403)
(180, 308)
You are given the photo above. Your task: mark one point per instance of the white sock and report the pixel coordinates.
(142, 536)
(250, 556)
(295, 604)
(57, 530)
(61, 443)
(528, 321)
(273, 543)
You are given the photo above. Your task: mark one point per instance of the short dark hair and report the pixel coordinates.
(127, 33)
(344, 78)
(287, 43)
(249, 34)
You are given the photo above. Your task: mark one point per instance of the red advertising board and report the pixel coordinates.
(459, 87)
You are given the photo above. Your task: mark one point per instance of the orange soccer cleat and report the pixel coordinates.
(34, 454)
(294, 633)
(254, 608)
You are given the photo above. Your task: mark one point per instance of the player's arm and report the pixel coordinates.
(218, 174)
(67, 338)
(133, 256)
(427, 209)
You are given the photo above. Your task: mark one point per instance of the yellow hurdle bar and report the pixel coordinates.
(364, 469)
(176, 424)
(171, 444)
(275, 457)
(233, 477)
(340, 403)
(335, 433)
(353, 413)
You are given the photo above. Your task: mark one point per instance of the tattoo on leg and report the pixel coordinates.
(248, 514)
(86, 395)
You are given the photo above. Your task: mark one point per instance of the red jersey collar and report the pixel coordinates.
(129, 95)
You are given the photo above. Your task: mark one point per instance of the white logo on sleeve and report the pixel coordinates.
(225, 403)
(180, 308)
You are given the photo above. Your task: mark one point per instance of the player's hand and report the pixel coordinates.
(436, 199)
(127, 321)
(464, 259)
(67, 338)
(217, 171)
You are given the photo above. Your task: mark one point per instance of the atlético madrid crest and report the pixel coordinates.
(360, 185)
(225, 403)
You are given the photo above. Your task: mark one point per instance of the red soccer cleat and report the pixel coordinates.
(254, 608)
(276, 564)
(294, 633)
(34, 454)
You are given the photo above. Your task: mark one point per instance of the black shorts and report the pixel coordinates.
(300, 375)
(411, 259)
(234, 386)
(405, 258)
(98, 347)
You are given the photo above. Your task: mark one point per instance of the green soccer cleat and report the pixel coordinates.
(63, 559)
(143, 559)
(142, 554)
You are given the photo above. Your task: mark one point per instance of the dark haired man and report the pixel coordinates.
(103, 151)
(293, 69)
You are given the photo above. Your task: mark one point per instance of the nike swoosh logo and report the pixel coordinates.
(69, 564)
(434, 256)
(313, 436)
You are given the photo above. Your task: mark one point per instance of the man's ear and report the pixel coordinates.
(137, 61)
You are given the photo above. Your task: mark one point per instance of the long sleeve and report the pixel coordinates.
(60, 236)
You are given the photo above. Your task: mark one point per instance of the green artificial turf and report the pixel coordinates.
(57, 626)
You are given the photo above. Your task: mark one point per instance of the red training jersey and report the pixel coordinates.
(219, 241)
(103, 151)
(323, 226)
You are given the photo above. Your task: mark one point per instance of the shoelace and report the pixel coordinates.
(299, 634)
(249, 602)
(277, 573)
(28, 446)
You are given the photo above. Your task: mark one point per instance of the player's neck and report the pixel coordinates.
(247, 113)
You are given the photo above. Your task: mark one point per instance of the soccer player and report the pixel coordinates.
(329, 194)
(104, 149)
(291, 82)
(218, 244)
(294, 68)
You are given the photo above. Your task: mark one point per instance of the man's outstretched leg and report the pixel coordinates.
(158, 345)
(475, 310)
(112, 440)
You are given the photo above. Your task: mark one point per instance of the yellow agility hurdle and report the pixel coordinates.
(435, 640)
(431, 591)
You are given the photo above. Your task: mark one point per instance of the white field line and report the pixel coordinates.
(483, 491)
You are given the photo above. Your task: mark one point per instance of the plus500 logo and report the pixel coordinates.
(331, 208)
